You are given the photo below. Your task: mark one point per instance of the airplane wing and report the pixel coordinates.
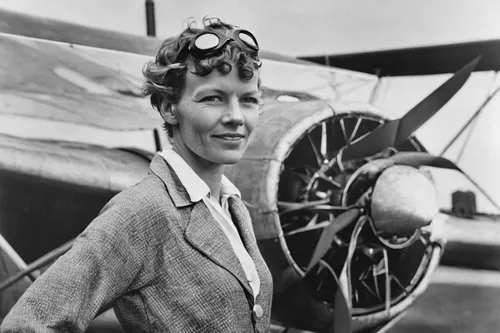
(42, 28)
(438, 59)
(45, 80)
(71, 73)
(82, 85)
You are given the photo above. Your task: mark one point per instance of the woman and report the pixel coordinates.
(176, 252)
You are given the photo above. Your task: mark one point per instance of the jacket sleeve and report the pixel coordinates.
(101, 266)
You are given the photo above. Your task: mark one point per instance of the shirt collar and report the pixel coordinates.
(196, 188)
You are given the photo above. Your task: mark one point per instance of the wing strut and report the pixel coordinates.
(475, 116)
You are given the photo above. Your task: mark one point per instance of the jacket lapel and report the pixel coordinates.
(205, 234)
(201, 231)
(243, 221)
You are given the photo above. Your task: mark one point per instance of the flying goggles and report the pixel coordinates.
(207, 43)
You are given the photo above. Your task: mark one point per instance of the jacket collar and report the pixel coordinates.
(173, 184)
(194, 185)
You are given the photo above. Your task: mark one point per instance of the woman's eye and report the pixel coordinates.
(250, 100)
(211, 99)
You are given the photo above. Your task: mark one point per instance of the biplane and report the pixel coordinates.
(345, 219)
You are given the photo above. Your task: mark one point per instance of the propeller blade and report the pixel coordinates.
(289, 207)
(396, 131)
(416, 159)
(326, 238)
(342, 318)
(307, 228)
(374, 168)
(424, 110)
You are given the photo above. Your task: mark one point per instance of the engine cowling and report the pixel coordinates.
(294, 187)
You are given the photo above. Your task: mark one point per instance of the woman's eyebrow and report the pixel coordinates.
(207, 89)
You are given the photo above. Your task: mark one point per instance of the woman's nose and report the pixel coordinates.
(233, 113)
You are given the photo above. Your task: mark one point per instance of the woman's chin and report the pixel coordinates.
(229, 157)
(232, 162)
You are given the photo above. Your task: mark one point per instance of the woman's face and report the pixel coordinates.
(215, 117)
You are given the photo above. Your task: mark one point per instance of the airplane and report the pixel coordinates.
(76, 130)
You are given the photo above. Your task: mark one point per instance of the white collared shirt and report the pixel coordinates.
(198, 190)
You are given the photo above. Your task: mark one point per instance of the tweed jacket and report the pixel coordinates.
(161, 261)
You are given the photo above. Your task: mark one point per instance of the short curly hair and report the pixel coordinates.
(165, 75)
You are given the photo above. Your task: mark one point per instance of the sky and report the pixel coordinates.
(332, 27)
(295, 27)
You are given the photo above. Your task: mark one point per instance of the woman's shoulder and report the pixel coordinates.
(135, 208)
(148, 191)
(138, 213)
(148, 197)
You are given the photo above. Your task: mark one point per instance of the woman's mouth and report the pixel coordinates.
(230, 136)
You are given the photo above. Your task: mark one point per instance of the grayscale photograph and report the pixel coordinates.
(236, 166)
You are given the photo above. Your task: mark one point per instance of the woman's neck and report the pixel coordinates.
(209, 172)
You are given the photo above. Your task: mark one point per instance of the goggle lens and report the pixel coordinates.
(247, 39)
(206, 41)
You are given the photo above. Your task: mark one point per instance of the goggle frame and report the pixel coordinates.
(223, 39)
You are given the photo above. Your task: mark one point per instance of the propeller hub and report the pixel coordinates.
(403, 200)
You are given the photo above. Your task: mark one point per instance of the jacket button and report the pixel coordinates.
(257, 311)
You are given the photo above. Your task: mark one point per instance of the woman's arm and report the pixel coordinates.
(102, 265)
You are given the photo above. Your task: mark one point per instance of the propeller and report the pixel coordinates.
(328, 234)
(367, 172)
(396, 131)
(355, 214)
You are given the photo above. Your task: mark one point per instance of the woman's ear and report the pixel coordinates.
(167, 112)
